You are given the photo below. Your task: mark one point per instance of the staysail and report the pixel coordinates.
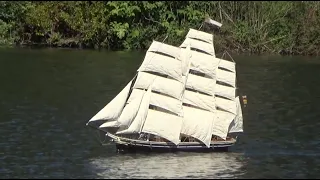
(237, 124)
(112, 110)
(137, 123)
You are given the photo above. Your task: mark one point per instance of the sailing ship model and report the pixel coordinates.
(181, 99)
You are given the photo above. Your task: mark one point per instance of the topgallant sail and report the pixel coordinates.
(182, 98)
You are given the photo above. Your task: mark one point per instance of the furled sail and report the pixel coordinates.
(112, 110)
(237, 124)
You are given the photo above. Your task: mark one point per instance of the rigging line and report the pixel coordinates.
(149, 61)
(211, 34)
(103, 139)
(97, 137)
(200, 26)
(222, 57)
(230, 56)
(156, 51)
(165, 38)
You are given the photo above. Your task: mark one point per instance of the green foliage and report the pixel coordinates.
(5, 31)
(248, 26)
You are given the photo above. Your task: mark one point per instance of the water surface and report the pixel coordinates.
(48, 95)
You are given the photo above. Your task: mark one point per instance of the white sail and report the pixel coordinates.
(109, 124)
(185, 57)
(231, 66)
(164, 48)
(158, 63)
(129, 111)
(201, 84)
(226, 77)
(227, 105)
(113, 109)
(199, 100)
(200, 45)
(200, 35)
(164, 125)
(137, 123)
(186, 63)
(204, 63)
(198, 123)
(163, 85)
(225, 91)
(166, 102)
(237, 124)
(221, 123)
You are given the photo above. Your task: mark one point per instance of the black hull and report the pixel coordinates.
(134, 145)
(121, 148)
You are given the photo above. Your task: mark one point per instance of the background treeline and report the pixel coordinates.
(257, 27)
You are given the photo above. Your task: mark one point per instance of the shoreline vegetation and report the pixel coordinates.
(275, 27)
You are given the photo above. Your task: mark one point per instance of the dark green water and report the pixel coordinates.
(47, 96)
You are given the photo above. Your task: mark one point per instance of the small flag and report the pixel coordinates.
(245, 101)
(213, 22)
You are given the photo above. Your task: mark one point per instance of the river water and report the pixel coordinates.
(48, 95)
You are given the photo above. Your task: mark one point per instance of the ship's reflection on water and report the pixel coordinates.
(170, 165)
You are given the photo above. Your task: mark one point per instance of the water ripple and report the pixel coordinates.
(48, 96)
(180, 165)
